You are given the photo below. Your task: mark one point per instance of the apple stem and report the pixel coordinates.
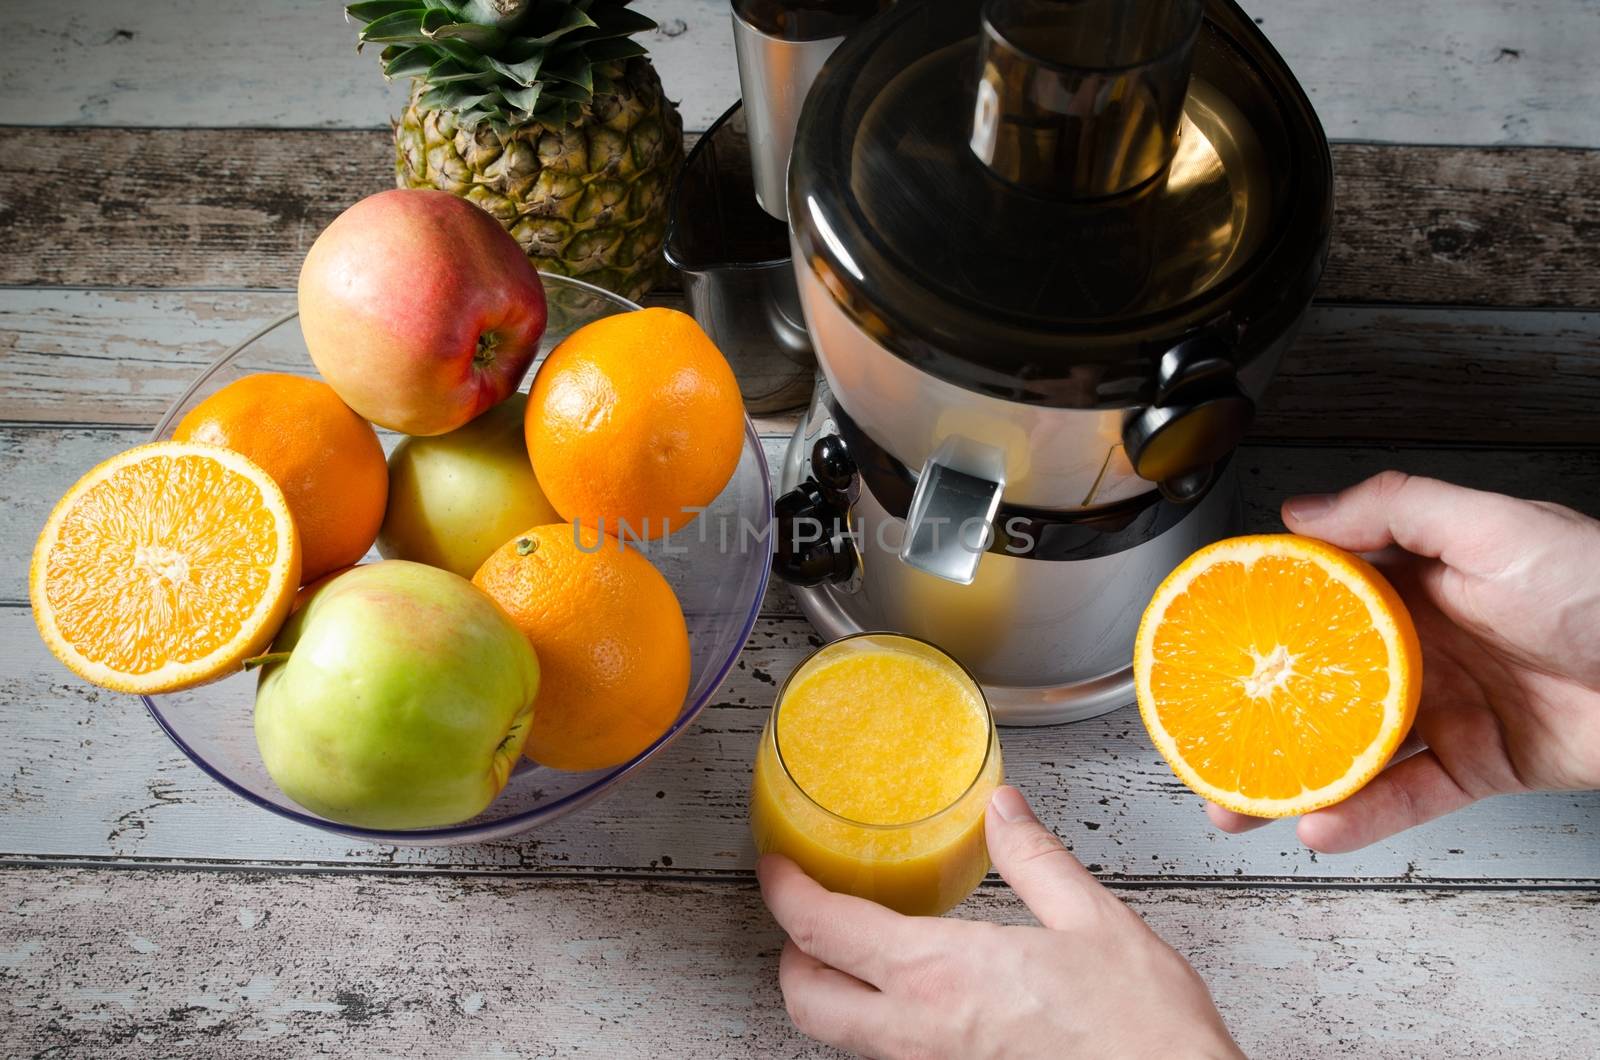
(265, 660)
(486, 344)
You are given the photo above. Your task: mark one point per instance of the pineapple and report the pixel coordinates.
(547, 114)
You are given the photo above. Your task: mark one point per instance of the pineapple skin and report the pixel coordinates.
(587, 200)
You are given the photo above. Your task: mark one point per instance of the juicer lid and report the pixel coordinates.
(988, 194)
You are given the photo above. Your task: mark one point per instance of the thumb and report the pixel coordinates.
(1032, 860)
(1467, 529)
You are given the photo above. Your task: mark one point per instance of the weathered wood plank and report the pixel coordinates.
(238, 208)
(1455, 225)
(1477, 71)
(86, 773)
(1385, 374)
(254, 965)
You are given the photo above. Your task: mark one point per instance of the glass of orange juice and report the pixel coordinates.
(875, 770)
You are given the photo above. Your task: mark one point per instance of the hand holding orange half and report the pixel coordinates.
(1505, 595)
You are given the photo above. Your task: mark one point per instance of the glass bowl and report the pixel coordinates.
(718, 565)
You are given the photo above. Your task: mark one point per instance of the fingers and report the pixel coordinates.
(1234, 823)
(827, 1004)
(851, 934)
(1467, 529)
(1403, 796)
(1044, 874)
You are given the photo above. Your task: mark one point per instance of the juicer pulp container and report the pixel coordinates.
(737, 275)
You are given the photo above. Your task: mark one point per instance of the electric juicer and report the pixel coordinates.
(1049, 253)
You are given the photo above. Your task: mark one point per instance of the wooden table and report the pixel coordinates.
(165, 167)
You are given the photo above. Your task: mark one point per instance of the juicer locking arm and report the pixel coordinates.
(812, 520)
(1198, 418)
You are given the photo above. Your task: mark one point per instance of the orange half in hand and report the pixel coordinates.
(1276, 674)
(165, 567)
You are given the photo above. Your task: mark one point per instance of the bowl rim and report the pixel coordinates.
(512, 824)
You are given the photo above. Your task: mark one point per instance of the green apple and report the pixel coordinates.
(399, 696)
(455, 498)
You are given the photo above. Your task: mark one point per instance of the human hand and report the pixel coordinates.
(1505, 594)
(1094, 981)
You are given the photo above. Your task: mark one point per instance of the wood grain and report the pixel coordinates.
(1473, 71)
(200, 963)
(238, 208)
(1460, 226)
(1374, 373)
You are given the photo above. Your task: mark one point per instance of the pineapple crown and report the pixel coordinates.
(503, 61)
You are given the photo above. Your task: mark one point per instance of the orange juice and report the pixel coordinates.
(874, 772)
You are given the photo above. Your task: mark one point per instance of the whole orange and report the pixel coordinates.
(325, 458)
(632, 420)
(613, 649)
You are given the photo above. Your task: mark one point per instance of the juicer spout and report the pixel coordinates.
(950, 523)
(1082, 99)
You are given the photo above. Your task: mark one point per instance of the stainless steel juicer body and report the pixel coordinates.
(1047, 275)
(780, 46)
(1049, 638)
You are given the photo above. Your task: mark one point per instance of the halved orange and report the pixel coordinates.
(1276, 674)
(165, 567)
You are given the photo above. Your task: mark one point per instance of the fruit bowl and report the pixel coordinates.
(717, 565)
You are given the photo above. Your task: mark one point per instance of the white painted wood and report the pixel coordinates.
(130, 963)
(86, 773)
(1437, 71)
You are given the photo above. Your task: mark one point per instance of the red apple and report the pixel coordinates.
(420, 310)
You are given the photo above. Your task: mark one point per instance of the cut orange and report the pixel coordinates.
(1276, 674)
(165, 567)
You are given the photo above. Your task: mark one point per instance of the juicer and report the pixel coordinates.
(1049, 253)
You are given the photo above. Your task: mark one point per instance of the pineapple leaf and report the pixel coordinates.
(482, 38)
(524, 73)
(402, 27)
(451, 97)
(523, 99)
(447, 71)
(464, 54)
(571, 19)
(571, 93)
(504, 60)
(407, 62)
(618, 22)
(574, 70)
(373, 10)
(612, 50)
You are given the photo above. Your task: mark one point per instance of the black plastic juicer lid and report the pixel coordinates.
(1041, 280)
